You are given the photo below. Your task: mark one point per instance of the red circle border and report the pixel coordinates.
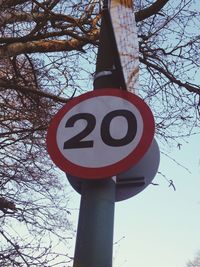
(110, 170)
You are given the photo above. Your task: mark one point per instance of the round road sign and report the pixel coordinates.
(100, 134)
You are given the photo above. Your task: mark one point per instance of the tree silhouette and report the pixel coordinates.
(195, 262)
(47, 55)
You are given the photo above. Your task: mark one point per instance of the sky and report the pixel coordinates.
(160, 226)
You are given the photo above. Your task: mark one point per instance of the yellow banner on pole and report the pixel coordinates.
(126, 3)
(125, 31)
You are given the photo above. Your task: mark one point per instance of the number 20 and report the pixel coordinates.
(78, 142)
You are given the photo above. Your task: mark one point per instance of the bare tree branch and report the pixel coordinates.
(48, 46)
(191, 88)
(150, 11)
(23, 89)
(10, 3)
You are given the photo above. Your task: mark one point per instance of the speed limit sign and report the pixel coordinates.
(100, 133)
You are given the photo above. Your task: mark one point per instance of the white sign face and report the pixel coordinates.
(100, 133)
(124, 27)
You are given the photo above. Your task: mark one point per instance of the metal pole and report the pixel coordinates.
(109, 71)
(94, 242)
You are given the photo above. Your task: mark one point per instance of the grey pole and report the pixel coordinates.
(94, 241)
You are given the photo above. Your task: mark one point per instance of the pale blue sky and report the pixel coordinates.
(160, 226)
